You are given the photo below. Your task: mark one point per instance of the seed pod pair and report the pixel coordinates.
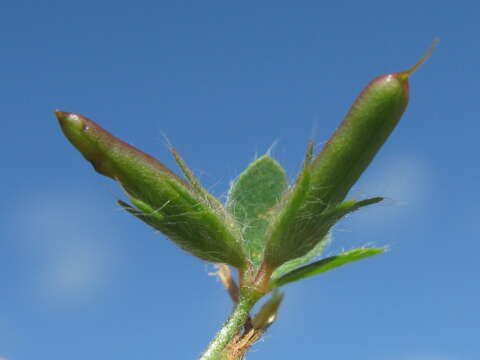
(266, 228)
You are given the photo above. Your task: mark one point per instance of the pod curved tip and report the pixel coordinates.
(406, 74)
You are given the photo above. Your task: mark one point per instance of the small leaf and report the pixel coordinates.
(141, 214)
(196, 185)
(198, 232)
(251, 198)
(326, 264)
(285, 231)
(268, 312)
(301, 221)
(310, 256)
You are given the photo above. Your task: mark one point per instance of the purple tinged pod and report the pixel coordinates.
(370, 121)
(314, 204)
(109, 155)
(162, 199)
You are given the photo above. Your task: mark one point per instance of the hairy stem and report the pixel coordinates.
(232, 327)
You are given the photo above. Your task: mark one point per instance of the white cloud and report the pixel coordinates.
(404, 183)
(66, 240)
(403, 179)
(73, 273)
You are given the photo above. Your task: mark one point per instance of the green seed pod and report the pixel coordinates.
(162, 199)
(360, 136)
(314, 204)
(136, 171)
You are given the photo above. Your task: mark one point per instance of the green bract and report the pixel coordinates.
(325, 265)
(252, 199)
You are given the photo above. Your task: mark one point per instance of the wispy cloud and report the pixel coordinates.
(66, 239)
(72, 273)
(403, 181)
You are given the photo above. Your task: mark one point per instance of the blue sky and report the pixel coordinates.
(224, 81)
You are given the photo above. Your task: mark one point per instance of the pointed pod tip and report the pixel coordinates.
(406, 74)
(67, 119)
(61, 115)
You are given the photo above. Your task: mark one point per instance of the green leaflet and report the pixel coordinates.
(149, 219)
(303, 221)
(251, 199)
(196, 186)
(197, 232)
(163, 199)
(310, 256)
(268, 312)
(286, 228)
(326, 264)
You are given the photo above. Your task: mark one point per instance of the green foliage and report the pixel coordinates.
(325, 265)
(264, 223)
(302, 221)
(251, 200)
(287, 228)
(303, 228)
(268, 312)
(267, 230)
(196, 187)
(302, 260)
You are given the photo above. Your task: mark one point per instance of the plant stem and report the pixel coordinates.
(231, 328)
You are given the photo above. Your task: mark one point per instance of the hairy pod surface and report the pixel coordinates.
(370, 121)
(162, 199)
(137, 171)
(306, 216)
